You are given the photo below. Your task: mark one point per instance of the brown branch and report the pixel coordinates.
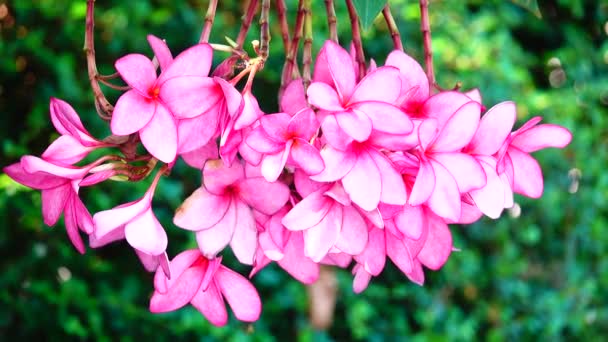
(264, 31)
(209, 17)
(392, 27)
(102, 105)
(307, 54)
(354, 23)
(332, 20)
(425, 27)
(282, 16)
(289, 69)
(246, 24)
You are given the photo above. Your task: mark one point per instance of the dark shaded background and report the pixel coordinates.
(539, 271)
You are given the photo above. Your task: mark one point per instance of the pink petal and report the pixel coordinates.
(373, 257)
(438, 245)
(385, 117)
(196, 132)
(414, 83)
(494, 129)
(399, 253)
(53, 203)
(383, 85)
(67, 150)
(35, 181)
(320, 238)
(244, 241)
(337, 164)
(195, 61)
(303, 124)
(324, 96)
(341, 68)
(259, 141)
(428, 131)
(198, 157)
(240, 294)
(424, 185)
(263, 196)
(159, 136)
(71, 227)
(527, 174)
(180, 294)
(307, 213)
(293, 98)
(355, 123)
(361, 279)
(146, 234)
(251, 112)
(178, 266)
(295, 263)
(363, 183)
(458, 129)
(275, 126)
(213, 240)
(353, 235)
(83, 217)
(466, 171)
(201, 210)
(232, 97)
(131, 113)
(490, 198)
(306, 157)
(67, 122)
(338, 194)
(217, 176)
(542, 136)
(161, 51)
(211, 304)
(393, 188)
(138, 71)
(443, 105)
(34, 165)
(411, 221)
(190, 96)
(334, 135)
(273, 164)
(445, 199)
(108, 220)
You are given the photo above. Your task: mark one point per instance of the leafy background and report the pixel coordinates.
(541, 271)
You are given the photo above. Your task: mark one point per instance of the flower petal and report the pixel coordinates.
(341, 69)
(494, 129)
(353, 235)
(217, 176)
(190, 96)
(161, 51)
(263, 196)
(240, 294)
(308, 212)
(459, 129)
(527, 174)
(195, 61)
(363, 183)
(382, 84)
(138, 71)
(145, 234)
(295, 263)
(131, 113)
(180, 294)
(196, 132)
(159, 136)
(438, 245)
(445, 199)
(211, 304)
(393, 188)
(490, 199)
(414, 83)
(293, 98)
(306, 157)
(424, 184)
(542, 136)
(244, 241)
(201, 210)
(324, 96)
(337, 164)
(385, 117)
(67, 150)
(213, 240)
(320, 238)
(53, 203)
(355, 123)
(466, 171)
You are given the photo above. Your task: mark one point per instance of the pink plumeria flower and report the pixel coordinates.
(414, 83)
(59, 186)
(293, 98)
(221, 210)
(367, 175)
(205, 284)
(357, 107)
(153, 104)
(444, 172)
(514, 156)
(75, 141)
(136, 219)
(283, 138)
(286, 248)
(329, 221)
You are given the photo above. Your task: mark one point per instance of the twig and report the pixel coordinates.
(282, 16)
(209, 17)
(111, 85)
(103, 106)
(425, 27)
(307, 54)
(354, 23)
(392, 27)
(332, 20)
(264, 31)
(289, 70)
(246, 24)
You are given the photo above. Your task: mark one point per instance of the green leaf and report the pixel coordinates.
(530, 5)
(368, 10)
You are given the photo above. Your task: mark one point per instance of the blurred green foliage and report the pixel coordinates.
(541, 271)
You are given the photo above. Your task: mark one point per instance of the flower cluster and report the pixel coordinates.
(354, 168)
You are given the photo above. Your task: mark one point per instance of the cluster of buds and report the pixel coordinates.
(359, 164)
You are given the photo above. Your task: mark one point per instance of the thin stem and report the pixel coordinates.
(282, 16)
(246, 24)
(332, 20)
(307, 55)
(289, 69)
(354, 23)
(264, 31)
(209, 17)
(111, 85)
(103, 106)
(392, 27)
(108, 77)
(425, 27)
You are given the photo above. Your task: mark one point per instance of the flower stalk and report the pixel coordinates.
(209, 17)
(354, 23)
(332, 20)
(392, 27)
